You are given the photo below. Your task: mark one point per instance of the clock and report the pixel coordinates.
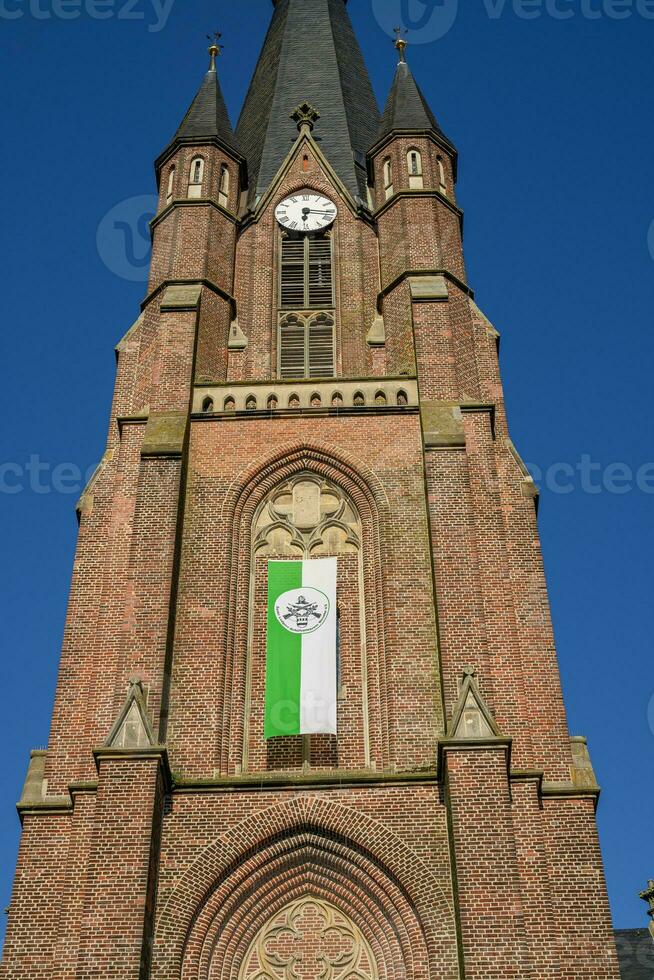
(306, 211)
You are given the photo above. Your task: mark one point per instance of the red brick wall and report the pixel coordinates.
(161, 588)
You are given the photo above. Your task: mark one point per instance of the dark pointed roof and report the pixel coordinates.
(207, 116)
(407, 109)
(310, 55)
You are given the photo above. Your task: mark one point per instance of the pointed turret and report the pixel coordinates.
(310, 55)
(407, 110)
(207, 116)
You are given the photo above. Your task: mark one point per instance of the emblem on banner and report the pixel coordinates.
(302, 610)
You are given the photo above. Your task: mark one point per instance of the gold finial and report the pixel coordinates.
(215, 49)
(400, 42)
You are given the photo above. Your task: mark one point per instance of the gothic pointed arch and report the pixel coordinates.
(303, 852)
(366, 505)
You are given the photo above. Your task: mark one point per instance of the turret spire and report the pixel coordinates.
(207, 117)
(407, 110)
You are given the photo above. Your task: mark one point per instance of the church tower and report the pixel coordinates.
(309, 380)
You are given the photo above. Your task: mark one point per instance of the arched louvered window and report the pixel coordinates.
(306, 346)
(320, 346)
(306, 274)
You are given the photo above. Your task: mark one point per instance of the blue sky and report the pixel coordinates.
(553, 120)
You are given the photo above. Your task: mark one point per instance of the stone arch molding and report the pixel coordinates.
(307, 849)
(314, 453)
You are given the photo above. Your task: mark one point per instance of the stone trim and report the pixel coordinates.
(421, 193)
(192, 202)
(216, 141)
(106, 753)
(442, 425)
(206, 283)
(440, 140)
(181, 298)
(165, 435)
(275, 397)
(473, 745)
(264, 783)
(428, 289)
(416, 273)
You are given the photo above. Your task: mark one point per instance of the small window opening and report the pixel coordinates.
(414, 161)
(441, 175)
(171, 185)
(388, 177)
(223, 188)
(196, 178)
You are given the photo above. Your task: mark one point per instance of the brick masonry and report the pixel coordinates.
(452, 857)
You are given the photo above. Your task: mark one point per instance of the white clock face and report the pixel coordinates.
(306, 211)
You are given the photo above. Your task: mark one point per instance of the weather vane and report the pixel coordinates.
(215, 48)
(400, 42)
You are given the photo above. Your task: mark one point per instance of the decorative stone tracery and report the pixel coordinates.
(307, 516)
(312, 940)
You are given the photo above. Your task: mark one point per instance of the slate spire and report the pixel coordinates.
(310, 54)
(407, 110)
(207, 117)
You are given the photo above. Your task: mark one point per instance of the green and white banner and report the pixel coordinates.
(301, 652)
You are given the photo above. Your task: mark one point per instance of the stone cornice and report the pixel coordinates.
(406, 193)
(180, 142)
(429, 134)
(290, 781)
(207, 283)
(408, 273)
(106, 753)
(184, 202)
(337, 396)
(490, 744)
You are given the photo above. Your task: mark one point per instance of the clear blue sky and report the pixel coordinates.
(553, 120)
